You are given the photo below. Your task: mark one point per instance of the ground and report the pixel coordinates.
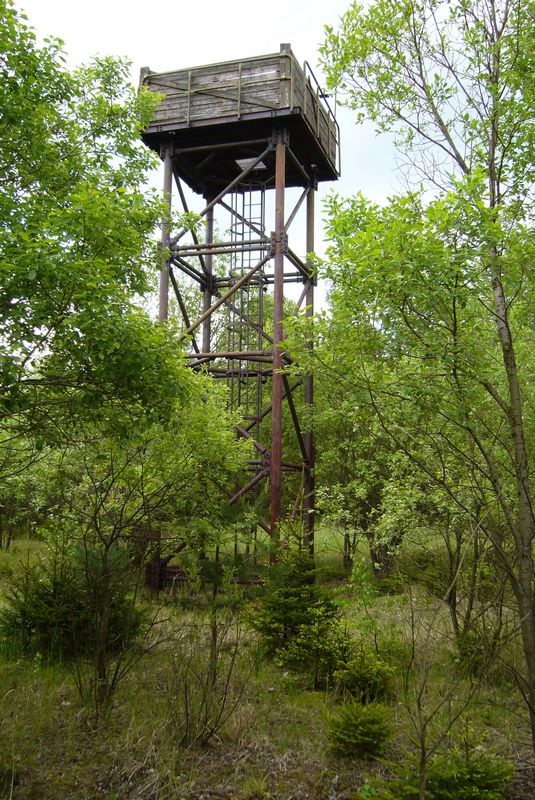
(274, 744)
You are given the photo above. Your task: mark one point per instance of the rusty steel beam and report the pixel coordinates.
(233, 289)
(309, 480)
(267, 410)
(295, 419)
(163, 305)
(243, 174)
(207, 293)
(304, 270)
(246, 435)
(250, 355)
(278, 311)
(252, 227)
(190, 252)
(187, 269)
(237, 373)
(221, 146)
(213, 247)
(296, 209)
(184, 202)
(252, 483)
(302, 296)
(153, 567)
(245, 370)
(299, 166)
(183, 309)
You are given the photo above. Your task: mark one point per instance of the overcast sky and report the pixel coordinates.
(175, 34)
(172, 34)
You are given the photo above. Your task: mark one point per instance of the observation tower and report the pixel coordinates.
(244, 135)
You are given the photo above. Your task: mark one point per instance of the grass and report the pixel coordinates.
(275, 745)
(12, 559)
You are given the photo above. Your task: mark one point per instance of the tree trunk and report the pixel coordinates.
(524, 533)
(383, 556)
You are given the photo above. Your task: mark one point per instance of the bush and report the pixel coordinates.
(52, 607)
(291, 600)
(365, 677)
(209, 676)
(450, 777)
(297, 621)
(317, 648)
(477, 652)
(359, 730)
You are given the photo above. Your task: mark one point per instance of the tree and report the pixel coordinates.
(360, 472)
(449, 280)
(76, 224)
(114, 498)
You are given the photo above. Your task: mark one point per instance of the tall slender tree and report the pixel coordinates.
(448, 276)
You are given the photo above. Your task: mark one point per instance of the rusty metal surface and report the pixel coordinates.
(278, 312)
(238, 279)
(308, 479)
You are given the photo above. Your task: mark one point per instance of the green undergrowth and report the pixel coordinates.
(277, 736)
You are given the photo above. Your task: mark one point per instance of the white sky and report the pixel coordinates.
(172, 34)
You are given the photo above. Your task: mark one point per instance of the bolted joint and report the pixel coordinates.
(280, 135)
(278, 246)
(209, 283)
(166, 149)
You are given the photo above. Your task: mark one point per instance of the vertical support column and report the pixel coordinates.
(207, 302)
(309, 483)
(154, 576)
(164, 272)
(278, 297)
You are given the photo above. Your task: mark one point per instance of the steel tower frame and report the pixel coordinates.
(271, 262)
(240, 133)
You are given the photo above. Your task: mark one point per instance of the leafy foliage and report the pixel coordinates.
(77, 225)
(433, 289)
(359, 730)
(52, 607)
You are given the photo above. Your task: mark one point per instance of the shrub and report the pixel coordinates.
(361, 730)
(291, 600)
(365, 677)
(297, 621)
(451, 776)
(52, 607)
(209, 676)
(317, 648)
(478, 649)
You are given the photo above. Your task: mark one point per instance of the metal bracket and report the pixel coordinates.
(165, 148)
(283, 243)
(210, 284)
(284, 133)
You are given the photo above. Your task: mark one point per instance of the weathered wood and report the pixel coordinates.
(252, 94)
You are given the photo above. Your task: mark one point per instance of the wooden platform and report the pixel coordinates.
(220, 114)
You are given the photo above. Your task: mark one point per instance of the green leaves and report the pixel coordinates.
(77, 238)
(441, 74)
